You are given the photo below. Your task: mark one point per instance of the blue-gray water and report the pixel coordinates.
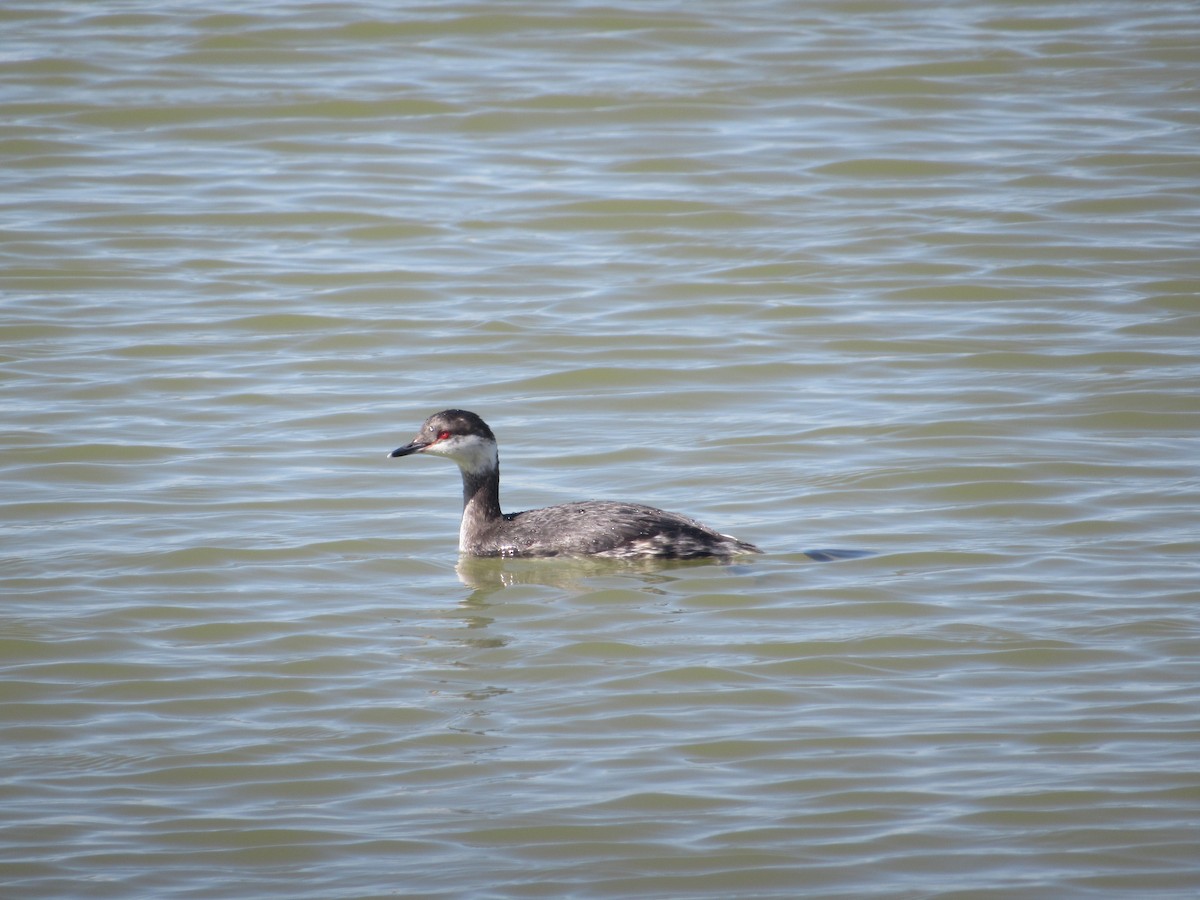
(916, 278)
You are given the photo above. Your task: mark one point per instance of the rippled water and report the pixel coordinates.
(874, 275)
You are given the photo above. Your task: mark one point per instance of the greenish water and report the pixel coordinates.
(920, 280)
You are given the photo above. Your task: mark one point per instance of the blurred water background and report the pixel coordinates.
(920, 278)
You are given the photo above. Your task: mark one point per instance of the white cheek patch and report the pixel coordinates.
(471, 452)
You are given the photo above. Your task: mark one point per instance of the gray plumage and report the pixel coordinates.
(603, 528)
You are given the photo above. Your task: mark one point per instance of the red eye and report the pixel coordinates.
(442, 435)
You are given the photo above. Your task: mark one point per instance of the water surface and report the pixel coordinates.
(920, 280)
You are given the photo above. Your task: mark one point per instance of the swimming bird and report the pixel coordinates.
(600, 528)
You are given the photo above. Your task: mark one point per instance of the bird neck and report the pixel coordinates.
(481, 503)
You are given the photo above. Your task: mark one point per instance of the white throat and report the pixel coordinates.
(475, 455)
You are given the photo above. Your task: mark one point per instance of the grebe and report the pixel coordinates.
(589, 528)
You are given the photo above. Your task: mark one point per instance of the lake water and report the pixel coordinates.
(921, 279)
